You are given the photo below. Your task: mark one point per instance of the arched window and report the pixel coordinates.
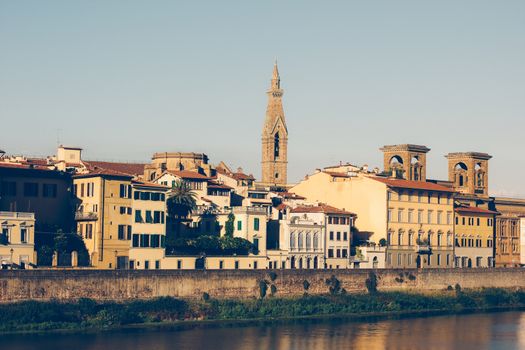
(292, 240)
(316, 241)
(300, 241)
(276, 145)
(308, 241)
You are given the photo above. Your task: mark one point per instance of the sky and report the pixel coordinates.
(125, 79)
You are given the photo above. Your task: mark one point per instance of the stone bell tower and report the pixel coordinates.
(406, 161)
(275, 136)
(469, 172)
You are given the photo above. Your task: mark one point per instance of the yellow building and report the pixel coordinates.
(413, 218)
(105, 217)
(474, 229)
(17, 240)
(148, 230)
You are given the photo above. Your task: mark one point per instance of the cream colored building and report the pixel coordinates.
(148, 230)
(413, 218)
(474, 229)
(17, 240)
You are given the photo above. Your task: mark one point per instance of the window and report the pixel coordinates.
(122, 210)
(23, 235)
(156, 217)
(439, 215)
(157, 264)
(439, 259)
(389, 195)
(410, 237)
(338, 253)
(410, 216)
(419, 197)
(449, 218)
(400, 215)
(221, 264)
(338, 236)
(144, 241)
(256, 244)
(121, 232)
(463, 221)
(8, 188)
(236, 264)
(256, 224)
(344, 253)
(135, 242)
(155, 241)
(420, 216)
(331, 253)
(429, 218)
(398, 259)
(146, 265)
(49, 190)
(179, 264)
(439, 199)
(149, 218)
(389, 217)
(345, 236)
(331, 235)
(477, 221)
(255, 264)
(400, 238)
(430, 198)
(138, 216)
(30, 189)
(440, 238)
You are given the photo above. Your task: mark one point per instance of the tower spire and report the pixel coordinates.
(276, 80)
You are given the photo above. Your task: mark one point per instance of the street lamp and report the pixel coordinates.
(12, 251)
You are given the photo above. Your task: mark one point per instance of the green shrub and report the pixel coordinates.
(371, 283)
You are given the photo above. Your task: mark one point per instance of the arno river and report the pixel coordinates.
(500, 330)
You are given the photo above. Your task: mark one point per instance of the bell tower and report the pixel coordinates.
(275, 136)
(406, 161)
(469, 172)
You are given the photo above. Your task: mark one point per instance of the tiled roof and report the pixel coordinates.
(474, 210)
(103, 172)
(336, 174)
(290, 195)
(125, 168)
(187, 174)
(150, 184)
(23, 166)
(237, 175)
(416, 185)
(215, 185)
(321, 208)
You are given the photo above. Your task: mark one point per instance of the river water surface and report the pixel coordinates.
(499, 330)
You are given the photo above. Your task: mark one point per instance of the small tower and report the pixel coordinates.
(469, 172)
(406, 161)
(275, 136)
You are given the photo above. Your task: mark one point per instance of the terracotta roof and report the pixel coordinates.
(24, 166)
(417, 185)
(290, 195)
(336, 174)
(474, 210)
(213, 184)
(237, 175)
(103, 172)
(187, 174)
(125, 168)
(321, 208)
(281, 206)
(150, 184)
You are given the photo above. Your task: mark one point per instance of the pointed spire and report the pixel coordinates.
(276, 80)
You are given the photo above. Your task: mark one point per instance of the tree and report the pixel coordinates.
(181, 200)
(230, 225)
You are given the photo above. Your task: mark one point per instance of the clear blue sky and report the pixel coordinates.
(124, 79)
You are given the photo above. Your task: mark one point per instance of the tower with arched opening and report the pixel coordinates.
(468, 171)
(406, 161)
(275, 137)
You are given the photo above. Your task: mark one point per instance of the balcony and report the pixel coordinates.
(16, 215)
(86, 216)
(423, 246)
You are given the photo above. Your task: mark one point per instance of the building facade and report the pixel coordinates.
(17, 240)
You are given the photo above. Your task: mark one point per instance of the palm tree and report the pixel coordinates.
(181, 199)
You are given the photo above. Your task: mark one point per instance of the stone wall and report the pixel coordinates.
(18, 285)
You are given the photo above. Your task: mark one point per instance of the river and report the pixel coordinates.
(499, 330)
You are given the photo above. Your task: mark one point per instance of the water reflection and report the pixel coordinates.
(505, 330)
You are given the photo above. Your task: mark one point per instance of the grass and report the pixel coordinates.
(31, 316)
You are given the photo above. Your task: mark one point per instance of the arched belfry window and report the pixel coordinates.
(276, 145)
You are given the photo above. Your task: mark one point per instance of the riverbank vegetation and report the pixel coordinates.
(89, 314)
